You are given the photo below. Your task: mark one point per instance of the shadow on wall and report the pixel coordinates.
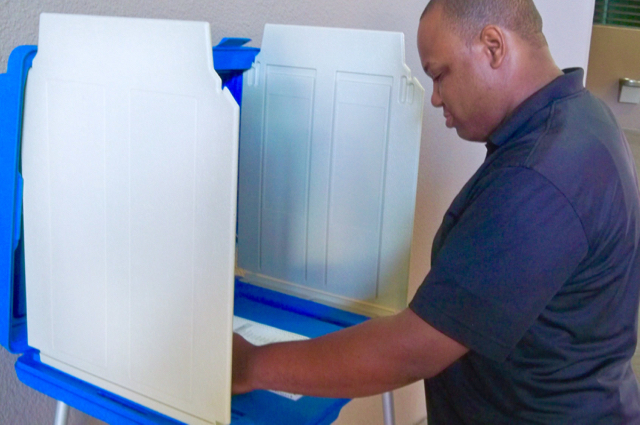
(615, 54)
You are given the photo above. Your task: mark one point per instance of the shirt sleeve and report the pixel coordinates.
(508, 253)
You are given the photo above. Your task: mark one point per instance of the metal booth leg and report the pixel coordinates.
(387, 409)
(62, 413)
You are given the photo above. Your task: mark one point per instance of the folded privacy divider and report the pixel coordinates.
(330, 139)
(129, 159)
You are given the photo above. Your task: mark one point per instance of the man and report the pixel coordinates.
(529, 312)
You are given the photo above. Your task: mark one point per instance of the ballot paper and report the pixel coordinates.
(261, 334)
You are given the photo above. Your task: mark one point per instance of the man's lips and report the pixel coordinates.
(449, 119)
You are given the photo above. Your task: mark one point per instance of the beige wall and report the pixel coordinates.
(615, 54)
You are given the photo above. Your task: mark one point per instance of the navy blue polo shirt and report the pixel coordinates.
(536, 269)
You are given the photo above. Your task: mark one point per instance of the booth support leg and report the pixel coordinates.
(62, 413)
(387, 409)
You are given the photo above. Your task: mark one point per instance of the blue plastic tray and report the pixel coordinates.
(231, 59)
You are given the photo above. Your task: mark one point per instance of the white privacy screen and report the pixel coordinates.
(130, 169)
(330, 136)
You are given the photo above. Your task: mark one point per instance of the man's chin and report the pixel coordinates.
(470, 137)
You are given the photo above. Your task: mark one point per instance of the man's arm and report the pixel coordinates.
(373, 357)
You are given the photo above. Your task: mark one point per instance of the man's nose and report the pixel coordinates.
(436, 100)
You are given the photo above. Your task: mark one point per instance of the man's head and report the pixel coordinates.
(485, 57)
(469, 17)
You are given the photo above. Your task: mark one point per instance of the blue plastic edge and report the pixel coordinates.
(17, 220)
(340, 318)
(231, 54)
(80, 395)
(230, 59)
(13, 324)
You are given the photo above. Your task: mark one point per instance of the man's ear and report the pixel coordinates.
(494, 44)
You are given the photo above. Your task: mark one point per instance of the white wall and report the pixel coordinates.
(445, 161)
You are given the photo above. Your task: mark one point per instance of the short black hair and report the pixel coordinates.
(469, 17)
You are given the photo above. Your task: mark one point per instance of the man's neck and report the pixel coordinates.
(536, 71)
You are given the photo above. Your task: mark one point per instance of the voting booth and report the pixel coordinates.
(145, 216)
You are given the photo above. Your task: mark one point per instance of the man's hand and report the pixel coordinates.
(242, 351)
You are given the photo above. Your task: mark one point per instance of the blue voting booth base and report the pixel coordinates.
(231, 59)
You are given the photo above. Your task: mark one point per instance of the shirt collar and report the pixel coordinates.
(565, 85)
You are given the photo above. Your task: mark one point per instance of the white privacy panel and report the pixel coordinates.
(330, 135)
(130, 165)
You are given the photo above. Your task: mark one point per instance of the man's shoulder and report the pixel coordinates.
(581, 150)
(579, 129)
(574, 139)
